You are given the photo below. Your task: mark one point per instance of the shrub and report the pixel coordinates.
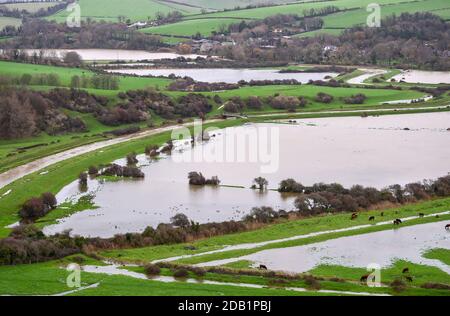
(196, 178)
(83, 178)
(262, 214)
(181, 273)
(311, 282)
(324, 98)
(152, 269)
(285, 102)
(198, 271)
(398, 285)
(132, 159)
(49, 200)
(254, 102)
(290, 185)
(231, 107)
(93, 171)
(33, 209)
(356, 99)
(438, 286)
(180, 220)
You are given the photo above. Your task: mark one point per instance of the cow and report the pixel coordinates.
(447, 227)
(354, 216)
(398, 221)
(421, 215)
(262, 267)
(405, 270)
(371, 218)
(364, 278)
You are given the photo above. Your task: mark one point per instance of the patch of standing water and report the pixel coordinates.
(116, 270)
(298, 237)
(382, 248)
(107, 54)
(421, 76)
(373, 151)
(227, 75)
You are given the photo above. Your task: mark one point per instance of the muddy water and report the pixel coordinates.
(26, 169)
(374, 151)
(382, 248)
(420, 76)
(227, 75)
(108, 54)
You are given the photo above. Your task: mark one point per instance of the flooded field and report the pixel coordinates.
(227, 75)
(373, 151)
(382, 248)
(108, 54)
(420, 76)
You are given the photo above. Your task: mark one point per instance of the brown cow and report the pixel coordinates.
(354, 216)
(364, 278)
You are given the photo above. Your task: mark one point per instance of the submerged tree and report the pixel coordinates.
(261, 183)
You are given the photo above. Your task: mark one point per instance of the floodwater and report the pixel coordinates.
(420, 76)
(373, 151)
(109, 54)
(382, 248)
(227, 75)
(21, 171)
(116, 270)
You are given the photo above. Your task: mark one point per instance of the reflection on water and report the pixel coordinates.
(108, 54)
(382, 248)
(421, 76)
(227, 75)
(374, 151)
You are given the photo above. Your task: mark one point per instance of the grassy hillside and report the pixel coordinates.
(30, 6)
(65, 74)
(205, 23)
(191, 27)
(347, 19)
(135, 10)
(5, 21)
(231, 4)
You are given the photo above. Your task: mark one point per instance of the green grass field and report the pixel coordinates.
(359, 17)
(7, 21)
(65, 74)
(135, 10)
(31, 7)
(333, 23)
(191, 27)
(50, 279)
